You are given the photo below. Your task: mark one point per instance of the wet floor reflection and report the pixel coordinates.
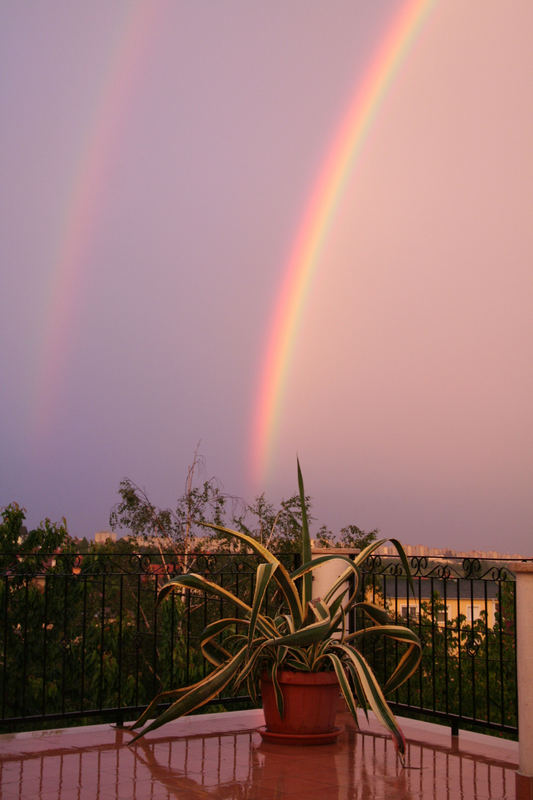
(204, 758)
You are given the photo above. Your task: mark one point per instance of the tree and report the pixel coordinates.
(278, 529)
(181, 527)
(468, 669)
(351, 536)
(178, 527)
(16, 540)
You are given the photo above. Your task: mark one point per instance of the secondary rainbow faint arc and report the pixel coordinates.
(316, 223)
(83, 206)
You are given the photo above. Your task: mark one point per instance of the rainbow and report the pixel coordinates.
(315, 225)
(85, 199)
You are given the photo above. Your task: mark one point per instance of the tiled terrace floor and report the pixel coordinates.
(222, 756)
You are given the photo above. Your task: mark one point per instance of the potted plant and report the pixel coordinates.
(304, 648)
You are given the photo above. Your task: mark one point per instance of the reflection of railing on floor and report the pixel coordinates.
(435, 771)
(238, 764)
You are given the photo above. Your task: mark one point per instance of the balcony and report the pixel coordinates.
(83, 640)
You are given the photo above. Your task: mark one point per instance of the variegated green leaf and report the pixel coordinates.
(391, 631)
(191, 580)
(336, 605)
(409, 661)
(338, 615)
(282, 577)
(199, 694)
(406, 667)
(357, 688)
(251, 686)
(310, 633)
(405, 562)
(367, 551)
(372, 692)
(296, 659)
(280, 702)
(289, 622)
(361, 557)
(263, 576)
(213, 651)
(219, 626)
(252, 660)
(344, 684)
(309, 566)
(307, 587)
(349, 574)
(376, 613)
(162, 697)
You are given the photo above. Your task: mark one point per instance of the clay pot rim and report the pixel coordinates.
(298, 677)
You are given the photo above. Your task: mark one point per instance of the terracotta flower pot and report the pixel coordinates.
(310, 705)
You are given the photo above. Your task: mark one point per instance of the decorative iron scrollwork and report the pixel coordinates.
(442, 568)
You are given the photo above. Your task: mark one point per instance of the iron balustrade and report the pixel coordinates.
(464, 611)
(83, 637)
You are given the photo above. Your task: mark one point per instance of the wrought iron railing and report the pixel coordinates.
(82, 635)
(464, 613)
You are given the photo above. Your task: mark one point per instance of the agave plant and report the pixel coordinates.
(305, 634)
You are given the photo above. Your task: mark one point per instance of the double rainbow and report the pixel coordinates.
(83, 207)
(315, 225)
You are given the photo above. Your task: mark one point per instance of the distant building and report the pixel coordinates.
(422, 550)
(22, 535)
(101, 537)
(469, 599)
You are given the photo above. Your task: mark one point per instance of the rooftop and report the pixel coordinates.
(222, 756)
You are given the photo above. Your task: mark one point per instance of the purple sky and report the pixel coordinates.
(409, 396)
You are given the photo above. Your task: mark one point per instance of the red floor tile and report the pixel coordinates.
(222, 757)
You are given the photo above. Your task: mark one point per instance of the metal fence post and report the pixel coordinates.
(524, 647)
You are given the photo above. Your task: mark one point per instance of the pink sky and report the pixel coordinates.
(408, 398)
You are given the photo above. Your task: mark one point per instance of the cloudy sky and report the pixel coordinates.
(157, 159)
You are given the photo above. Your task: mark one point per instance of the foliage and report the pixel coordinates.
(304, 634)
(468, 668)
(351, 536)
(16, 541)
(278, 528)
(85, 634)
(177, 527)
